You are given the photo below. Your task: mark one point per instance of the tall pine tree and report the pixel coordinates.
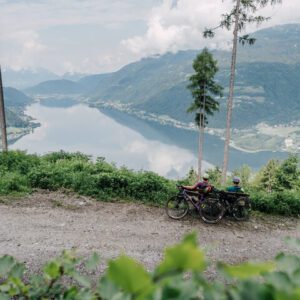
(204, 89)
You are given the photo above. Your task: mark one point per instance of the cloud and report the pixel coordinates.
(179, 25)
(103, 35)
(21, 46)
(69, 34)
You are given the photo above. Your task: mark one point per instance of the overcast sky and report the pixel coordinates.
(95, 36)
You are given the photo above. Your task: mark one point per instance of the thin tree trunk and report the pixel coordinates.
(200, 148)
(201, 136)
(2, 117)
(201, 143)
(231, 90)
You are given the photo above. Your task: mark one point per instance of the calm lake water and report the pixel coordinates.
(126, 140)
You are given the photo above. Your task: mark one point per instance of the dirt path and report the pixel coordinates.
(39, 227)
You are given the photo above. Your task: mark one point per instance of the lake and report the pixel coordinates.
(127, 140)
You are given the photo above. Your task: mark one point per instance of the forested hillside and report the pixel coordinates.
(267, 88)
(15, 102)
(51, 87)
(265, 92)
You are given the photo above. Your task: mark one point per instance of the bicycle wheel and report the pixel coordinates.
(241, 209)
(211, 210)
(177, 208)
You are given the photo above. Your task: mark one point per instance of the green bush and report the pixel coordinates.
(180, 275)
(21, 172)
(12, 183)
(283, 203)
(77, 172)
(18, 161)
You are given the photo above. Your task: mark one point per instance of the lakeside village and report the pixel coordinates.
(280, 137)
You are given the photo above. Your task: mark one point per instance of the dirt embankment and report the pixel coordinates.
(38, 227)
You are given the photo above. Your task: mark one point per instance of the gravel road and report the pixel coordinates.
(38, 227)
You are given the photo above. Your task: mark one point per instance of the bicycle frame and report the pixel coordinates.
(190, 199)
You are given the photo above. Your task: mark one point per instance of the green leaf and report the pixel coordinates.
(288, 263)
(107, 289)
(17, 270)
(295, 294)
(52, 270)
(85, 295)
(296, 277)
(93, 262)
(4, 287)
(181, 289)
(81, 279)
(4, 297)
(183, 257)
(247, 270)
(6, 264)
(191, 239)
(129, 275)
(279, 280)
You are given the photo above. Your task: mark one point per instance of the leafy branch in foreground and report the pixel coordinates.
(178, 276)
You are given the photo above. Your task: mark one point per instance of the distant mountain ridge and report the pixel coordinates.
(25, 78)
(267, 81)
(62, 86)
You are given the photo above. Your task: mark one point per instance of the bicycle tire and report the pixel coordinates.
(241, 212)
(211, 210)
(174, 202)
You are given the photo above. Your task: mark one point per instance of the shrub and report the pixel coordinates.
(21, 172)
(178, 276)
(13, 183)
(18, 161)
(284, 203)
(62, 155)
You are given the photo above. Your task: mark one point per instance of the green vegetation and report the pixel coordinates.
(203, 89)
(20, 172)
(180, 275)
(275, 189)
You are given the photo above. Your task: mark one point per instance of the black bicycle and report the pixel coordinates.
(208, 205)
(237, 205)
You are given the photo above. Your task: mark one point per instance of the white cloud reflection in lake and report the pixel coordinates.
(85, 129)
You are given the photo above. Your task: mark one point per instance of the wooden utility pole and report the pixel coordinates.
(2, 117)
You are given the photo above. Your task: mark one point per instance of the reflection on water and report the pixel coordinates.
(186, 139)
(85, 129)
(127, 140)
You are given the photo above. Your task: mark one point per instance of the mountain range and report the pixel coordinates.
(267, 86)
(267, 82)
(25, 78)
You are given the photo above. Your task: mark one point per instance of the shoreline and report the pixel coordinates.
(168, 122)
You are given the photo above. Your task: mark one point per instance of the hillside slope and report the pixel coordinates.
(15, 103)
(264, 92)
(52, 87)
